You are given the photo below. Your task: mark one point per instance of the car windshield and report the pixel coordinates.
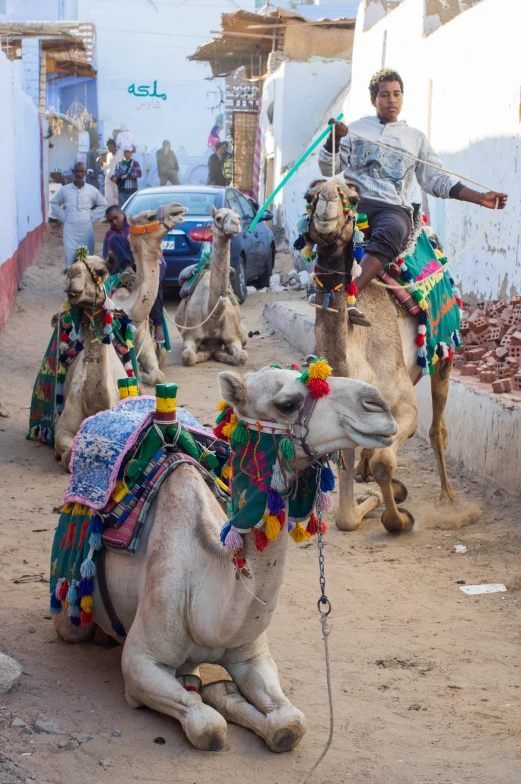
(196, 202)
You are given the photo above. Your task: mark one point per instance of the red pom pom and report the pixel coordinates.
(62, 594)
(399, 261)
(450, 355)
(64, 338)
(281, 517)
(318, 387)
(420, 340)
(130, 373)
(107, 318)
(218, 430)
(295, 366)
(324, 527)
(312, 526)
(260, 539)
(239, 562)
(425, 219)
(352, 289)
(460, 303)
(85, 618)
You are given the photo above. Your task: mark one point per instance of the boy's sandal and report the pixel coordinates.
(127, 277)
(355, 317)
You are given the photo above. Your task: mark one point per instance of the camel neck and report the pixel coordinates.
(97, 392)
(219, 269)
(146, 250)
(330, 327)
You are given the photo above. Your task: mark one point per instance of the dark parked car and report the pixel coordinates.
(252, 255)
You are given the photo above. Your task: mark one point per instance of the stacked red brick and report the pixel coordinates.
(491, 349)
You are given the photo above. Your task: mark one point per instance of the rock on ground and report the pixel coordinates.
(49, 726)
(10, 671)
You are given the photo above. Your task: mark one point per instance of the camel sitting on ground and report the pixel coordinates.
(384, 355)
(179, 599)
(222, 335)
(152, 226)
(91, 384)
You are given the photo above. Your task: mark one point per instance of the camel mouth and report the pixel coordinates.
(325, 225)
(370, 440)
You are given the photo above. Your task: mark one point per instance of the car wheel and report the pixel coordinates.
(264, 280)
(239, 284)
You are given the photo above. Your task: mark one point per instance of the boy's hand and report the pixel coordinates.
(341, 130)
(489, 200)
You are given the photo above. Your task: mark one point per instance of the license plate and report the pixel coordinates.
(168, 244)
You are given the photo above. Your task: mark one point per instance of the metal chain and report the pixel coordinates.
(324, 609)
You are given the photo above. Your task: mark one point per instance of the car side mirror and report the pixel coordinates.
(267, 215)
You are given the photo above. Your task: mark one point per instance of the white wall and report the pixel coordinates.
(138, 44)
(475, 120)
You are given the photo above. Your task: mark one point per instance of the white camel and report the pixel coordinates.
(179, 599)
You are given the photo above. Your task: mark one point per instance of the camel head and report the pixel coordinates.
(168, 215)
(329, 220)
(81, 286)
(353, 414)
(226, 222)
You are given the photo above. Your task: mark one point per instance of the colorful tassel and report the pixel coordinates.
(85, 618)
(85, 588)
(240, 435)
(275, 502)
(327, 502)
(278, 482)
(319, 368)
(260, 539)
(318, 388)
(222, 405)
(63, 590)
(88, 569)
(287, 448)
(312, 526)
(233, 540)
(55, 605)
(327, 480)
(86, 603)
(272, 526)
(299, 534)
(225, 530)
(227, 471)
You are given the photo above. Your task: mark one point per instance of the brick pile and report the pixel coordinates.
(491, 350)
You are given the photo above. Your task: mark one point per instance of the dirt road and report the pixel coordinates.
(426, 679)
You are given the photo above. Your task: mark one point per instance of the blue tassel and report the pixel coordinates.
(439, 351)
(88, 569)
(422, 351)
(300, 243)
(78, 347)
(59, 399)
(358, 253)
(74, 612)
(275, 502)
(327, 480)
(63, 358)
(72, 593)
(95, 541)
(85, 588)
(59, 389)
(425, 371)
(59, 408)
(106, 340)
(406, 275)
(107, 329)
(125, 358)
(225, 530)
(132, 328)
(124, 319)
(96, 525)
(75, 620)
(56, 604)
(422, 362)
(423, 317)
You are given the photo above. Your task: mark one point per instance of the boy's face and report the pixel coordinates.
(389, 101)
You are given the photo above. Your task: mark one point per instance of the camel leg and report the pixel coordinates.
(63, 441)
(438, 432)
(233, 355)
(362, 473)
(146, 349)
(255, 700)
(147, 682)
(193, 353)
(349, 514)
(383, 466)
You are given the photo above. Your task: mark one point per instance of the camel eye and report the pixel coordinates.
(287, 407)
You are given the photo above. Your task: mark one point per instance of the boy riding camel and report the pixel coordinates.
(384, 177)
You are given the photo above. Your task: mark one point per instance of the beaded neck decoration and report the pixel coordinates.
(262, 470)
(348, 209)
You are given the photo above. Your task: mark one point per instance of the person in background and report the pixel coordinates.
(384, 177)
(93, 165)
(124, 138)
(215, 165)
(117, 244)
(114, 156)
(78, 206)
(167, 165)
(126, 175)
(214, 138)
(228, 164)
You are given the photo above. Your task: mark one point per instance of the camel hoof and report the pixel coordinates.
(205, 728)
(288, 726)
(400, 492)
(189, 358)
(66, 459)
(243, 357)
(398, 523)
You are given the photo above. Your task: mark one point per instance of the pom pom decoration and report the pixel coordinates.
(272, 526)
(233, 540)
(299, 534)
(240, 435)
(318, 388)
(260, 539)
(327, 480)
(286, 448)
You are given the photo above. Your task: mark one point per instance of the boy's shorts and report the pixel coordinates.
(390, 227)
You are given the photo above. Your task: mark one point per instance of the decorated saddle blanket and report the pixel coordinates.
(431, 294)
(196, 272)
(104, 441)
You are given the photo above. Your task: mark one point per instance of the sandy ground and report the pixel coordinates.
(426, 679)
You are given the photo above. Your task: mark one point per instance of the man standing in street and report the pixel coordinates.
(114, 156)
(78, 206)
(93, 165)
(215, 165)
(167, 165)
(126, 175)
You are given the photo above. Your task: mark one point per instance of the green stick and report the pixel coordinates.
(291, 173)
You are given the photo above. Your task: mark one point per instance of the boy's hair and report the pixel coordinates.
(384, 75)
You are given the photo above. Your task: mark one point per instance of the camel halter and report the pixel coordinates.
(148, 229)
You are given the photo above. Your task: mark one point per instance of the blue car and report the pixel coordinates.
(252, 255)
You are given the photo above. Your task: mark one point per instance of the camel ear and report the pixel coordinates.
(233, 388)
(235, 210)
(313, 187)
(213, 211)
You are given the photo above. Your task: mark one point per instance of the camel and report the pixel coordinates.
(178, 596)
(91, 384)
(152, 226)
(384, 355)
(222, 336)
